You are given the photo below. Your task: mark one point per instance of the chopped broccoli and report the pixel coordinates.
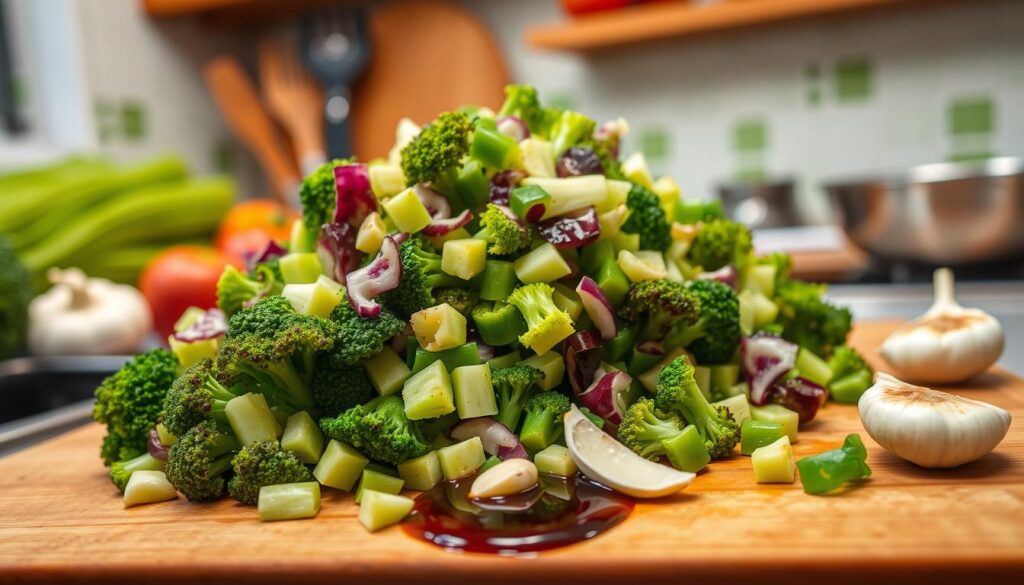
(197, 396)
(647, 218)
(337, 388)
(677, 392)
(513, 387)
(273, 347)
(440, 146)
(546, 324)
(645, 429)
(379, 429)
(129, 402)
(715, 336)
(421, 274)
(851, 374)
(659, 306)
(522, 102)
(543, 421)
(15, 294)
(358, 338)
(719, 243)
(504, 234)
(809, 320)
(461, 299)
(199, 460)
(121, 471)
(235, 289)
(569, 129)
(264, 463)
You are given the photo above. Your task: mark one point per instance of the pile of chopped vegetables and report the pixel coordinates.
(439, 311)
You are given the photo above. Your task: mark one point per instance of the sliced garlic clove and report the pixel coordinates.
(507, 478)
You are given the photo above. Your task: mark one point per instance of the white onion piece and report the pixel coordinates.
(765, 359)
(440, 227)
(379, 276)
(603, 397)
(437, 205)
(513, 127)
(597, 306)
(496, 437)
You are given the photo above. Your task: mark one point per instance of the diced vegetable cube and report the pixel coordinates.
(499, 280)
(542, 264)
(379, 510)
(439, 327)
(386, 180)
(758, 433)
(472, 184)
(613, 281)
(668, 192)
(317, 299)
(774, 463)
(289, 501)
(761, 278)
(371, 234)
(567, 300)
(738, 406)
(464, 258)
(387, 371)
(378, 482)
(635, 169)
(553, 366)
(813, 367)
(555, 459)
(571, 193)
(642, 265)
(147, 487)
(649, 379)
(340, 466)
(301, 268)
(490, 462)
(428, 393)
(723, 377)
(789, 419)
(626, 241)
(702, 376)
(474, 394)
(461, 459)
(493, 149)
(618, 192)
(537, 157)
(407, 211)
(191, 352)
(456, 357)
(421, 473)
(251, 419)
(505, 360)
(303, 437)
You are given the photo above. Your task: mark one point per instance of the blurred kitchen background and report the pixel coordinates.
(809, 119)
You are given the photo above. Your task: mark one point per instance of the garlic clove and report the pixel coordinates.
(930, 428)
(507, 478)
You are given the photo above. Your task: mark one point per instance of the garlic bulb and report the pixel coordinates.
(947, 344)
(927, 427)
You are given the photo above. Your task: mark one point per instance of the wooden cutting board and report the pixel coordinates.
(61, 519)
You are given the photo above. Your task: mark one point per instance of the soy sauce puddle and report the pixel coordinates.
(558, 513)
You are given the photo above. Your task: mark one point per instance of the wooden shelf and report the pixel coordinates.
(649, 22)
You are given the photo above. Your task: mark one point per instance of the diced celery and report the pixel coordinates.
(456, 234)
(301, 240)
(594, 255)
(303, 437)
(649, 379)
(567, 300)
(642, 265)
(439, 327)
(571, 193)
(301, 268)
(456, 357)
(464, 258)
(317, 299)
(504, 360)
(613, 281)
(251, 419)
(702, 376)
(537, 157)
(738, 406)
(762, 279)
(789, 419)
(635, 169)
(626, 241)
(499, 280)
(618, 347)
(542, 264)
(813, 367)
(378, 482)
(421, 473)
(440, 442)
(371, 234)
(493, 149)
(146, 487)
(386, 180)
(758, 433)
(472, 184)
(556, 460)
(765, 311)
(428, 393)
(474, 395)
(490, 462)
(387, 371)
(191, 352)
(618, 192)
(723, 377)
(747, 312)
(461, 459)
(686, 451)
(379, 510)
(340, 466)
(551, 364)
(611, 222)
(668, 192)
(774, 463)
(407, 211)
(289, 501)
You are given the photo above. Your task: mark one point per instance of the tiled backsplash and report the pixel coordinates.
(811, 100)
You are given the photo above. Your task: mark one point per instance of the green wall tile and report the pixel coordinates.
(974, 115)
(854, 79)
(133, 120)
(750, 135)
(654, 143)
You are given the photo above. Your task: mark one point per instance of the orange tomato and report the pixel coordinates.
(250, 224)
(178, 278)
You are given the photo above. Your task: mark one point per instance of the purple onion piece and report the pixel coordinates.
(765, 359)
(440, 227)
(155, 447)
(513, 127)
(336, 248)
(605, 396)
(651, 347)
(379, 276)
(437, 205)
(502, 184)
(270, 251)
(582, 354)
(596, 304)
(577, 161)
(400, 237)
(355, 199)
(496, 437)
(211, 325)
(800, 395)
(727, 275)
(486, 352)
(572, 231)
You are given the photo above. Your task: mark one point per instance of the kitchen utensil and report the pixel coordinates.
(428, 57)
(945, 213)
(11, 118)
(293, 97)
(769, 204)
(240, 105)
(337, 49)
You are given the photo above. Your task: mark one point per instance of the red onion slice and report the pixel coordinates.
(336, 249)
(597, 306)
(801, 395)
(651, 347)
(502, 184)
(155, 447)
(379, 276)
(605, 397)
(355, 199)
(211, 325)
(572, 231)
(765, 359)
(440, 227)
(582, 353)
(513, 127)
(437, 205)
(727, 275)
(270, 251)
(496, 437)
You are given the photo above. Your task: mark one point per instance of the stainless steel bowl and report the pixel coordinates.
(946, 213)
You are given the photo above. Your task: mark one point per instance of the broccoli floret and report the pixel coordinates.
(644, 429)
(461, 299)
(504, 234)
(522, 101)
(319, 195)
(569, 129)
(236, 290)
(15, 294)
(264, 463)
(513, 386)
(543, 421)
(198, 461)
(546, 324)
(273, 347)
(421, 274)
(660, 306)
(719, 243)
(122, 471)
(197, 396)
(129, 402)
(358, 338)
(677, 392)
(337, 388)
(647, 218)
(379, 429)
(851, 374)
(714, 337)
(440, 146)
(809, 320)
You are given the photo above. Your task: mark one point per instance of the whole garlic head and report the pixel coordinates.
(930, 428)
(947, 344)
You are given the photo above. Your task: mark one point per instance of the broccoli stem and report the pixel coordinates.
(540, 429)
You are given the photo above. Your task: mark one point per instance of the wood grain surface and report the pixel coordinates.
(60, 519)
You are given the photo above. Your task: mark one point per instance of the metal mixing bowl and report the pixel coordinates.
(946, 213)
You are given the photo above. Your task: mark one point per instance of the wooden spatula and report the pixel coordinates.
(240, 105)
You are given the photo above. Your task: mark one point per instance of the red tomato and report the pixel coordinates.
(240, 244)
(576, 7)
(178, 278)
(271, 217)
